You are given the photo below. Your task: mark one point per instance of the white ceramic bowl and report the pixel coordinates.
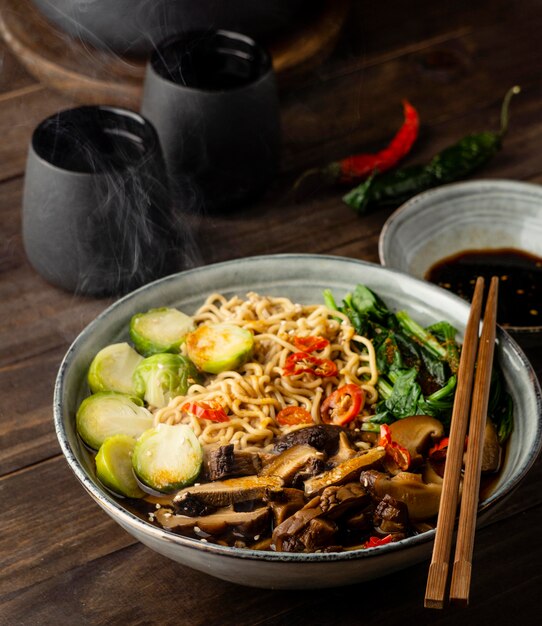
(302, 278)
(473, 215)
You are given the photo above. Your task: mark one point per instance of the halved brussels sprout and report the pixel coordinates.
(215, 348)
(160, 377)
(108, 413)
(112, 369)
(167, 458)
(159, 330)
(114, 466)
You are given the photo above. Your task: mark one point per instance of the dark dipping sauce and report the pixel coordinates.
(520, 284)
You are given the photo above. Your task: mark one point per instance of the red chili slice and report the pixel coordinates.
(310, 344)
(294, 415)
(374, 542)
(211, 411)
(399, 455)
(439, 450)
(342, 405)
(303, 363)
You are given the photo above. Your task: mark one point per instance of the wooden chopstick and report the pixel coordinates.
(461, 575)
(438, 570)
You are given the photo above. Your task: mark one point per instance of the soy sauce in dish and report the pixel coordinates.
(520, 284)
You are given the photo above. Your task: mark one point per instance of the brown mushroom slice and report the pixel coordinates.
(391, 517)
(491, 451)
(323, 437)
(286, 464)
(227, 462)
(244, 524)
(344, 452)
(416, 433)
(344, 472)
(305, 530)
(421, 499)
(336, 501)
(285, 503)
(230, 491)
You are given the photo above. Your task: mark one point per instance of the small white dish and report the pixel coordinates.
(481, 214)
(301, 278)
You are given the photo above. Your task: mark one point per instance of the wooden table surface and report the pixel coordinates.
(64, 561)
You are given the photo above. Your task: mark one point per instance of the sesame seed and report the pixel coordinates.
(158, 506)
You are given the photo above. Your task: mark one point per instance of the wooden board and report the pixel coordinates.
(97, 76)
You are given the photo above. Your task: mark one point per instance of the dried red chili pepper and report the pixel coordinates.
(303, 363)
(310, 344)
(358, 167)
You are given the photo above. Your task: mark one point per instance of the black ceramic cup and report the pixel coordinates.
(96, 214)
(212, 98)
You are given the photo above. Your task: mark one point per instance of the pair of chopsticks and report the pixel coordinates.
(484, 348)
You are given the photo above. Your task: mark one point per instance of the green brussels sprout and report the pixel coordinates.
(215, 348)
(108, 413)
(159, 330)
(160, 377)
(114, 466)
(112, 369)
(167, 458)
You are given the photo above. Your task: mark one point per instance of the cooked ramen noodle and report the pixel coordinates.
(255, 393)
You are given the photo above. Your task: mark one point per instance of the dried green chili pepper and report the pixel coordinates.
(453, 163)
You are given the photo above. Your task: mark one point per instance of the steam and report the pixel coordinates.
(127, 226)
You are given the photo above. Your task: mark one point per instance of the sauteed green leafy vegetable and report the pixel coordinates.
(417, 366)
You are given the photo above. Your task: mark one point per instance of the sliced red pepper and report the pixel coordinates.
(303, 363)
(342, 405)
(310, 344)
(439, 450)
(398, 454)
(294, 415)
(374, 542)
(212, 411)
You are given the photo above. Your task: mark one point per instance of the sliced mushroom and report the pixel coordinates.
(491, 451)
(391, 517)
(421, 499)
(305, 530)
(345, 450)
(336, 501)
(345, 472)
(226, 462)
(286, 464)
(312, 468)
(323, 437)
(285, 503)
(226, 492)
(416, 433)
(244, 524)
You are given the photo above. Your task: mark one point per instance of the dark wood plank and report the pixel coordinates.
(53, 526)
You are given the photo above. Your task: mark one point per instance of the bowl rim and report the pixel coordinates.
(470, 187)
(141, 526)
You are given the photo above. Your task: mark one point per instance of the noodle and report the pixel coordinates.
(254, 395)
